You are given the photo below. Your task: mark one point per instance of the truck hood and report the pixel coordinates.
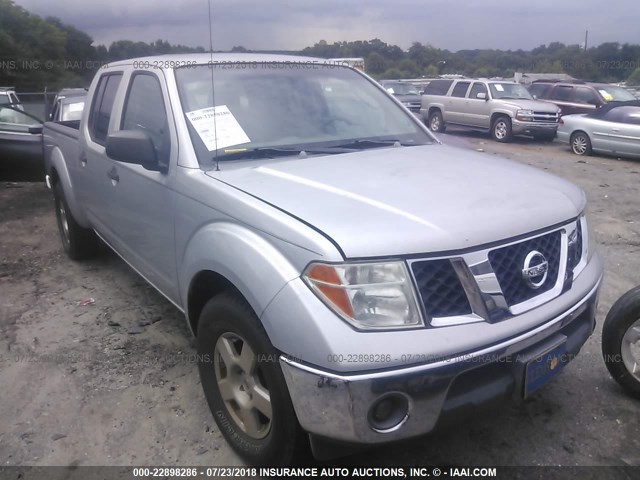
(535, 105)
(408, 98)
(410, 200)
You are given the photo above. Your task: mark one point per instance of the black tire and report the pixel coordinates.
(228, 319)
(501, 130)
(580, 143)
(624, 315)
(436, 122)
(78, 242)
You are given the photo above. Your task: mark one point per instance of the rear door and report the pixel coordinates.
(143, 211)
(625, 132)
(562, 95)
(92, 167)
(457, 103)
(585, 100)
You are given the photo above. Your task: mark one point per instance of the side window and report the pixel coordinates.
(585, 95)
(537, 89)
(14, 98)
(144, 110)
(102, 106)
(438, 87)
(476, 89)
(632, 116)
(562, 93)
(460, 90)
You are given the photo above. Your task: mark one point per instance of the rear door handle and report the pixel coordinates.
(113, 175)
(615, 129)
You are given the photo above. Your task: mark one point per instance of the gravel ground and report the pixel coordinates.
(95, 365)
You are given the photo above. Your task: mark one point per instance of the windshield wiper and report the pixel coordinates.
(273, 152)
(364, 144)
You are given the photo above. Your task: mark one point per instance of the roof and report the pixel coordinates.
(611, 105)
(176, 60)
(532, 77)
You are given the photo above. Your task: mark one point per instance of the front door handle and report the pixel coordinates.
(83, 159)
(615, 130)
(113, 175)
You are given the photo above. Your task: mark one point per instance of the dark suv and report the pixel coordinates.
(578, 97)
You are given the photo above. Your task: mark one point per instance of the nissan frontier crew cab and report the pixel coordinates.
(349, 279)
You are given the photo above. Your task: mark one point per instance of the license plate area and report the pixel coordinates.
(544, 367)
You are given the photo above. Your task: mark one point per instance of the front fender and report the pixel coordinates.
(243, 256)
(56, 162)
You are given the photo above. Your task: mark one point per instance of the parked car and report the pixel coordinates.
(9, 97)
(408, 94)
(21, 155)
(621, 341)
(502, 108)
(71, 106)
(348, 278)
(613, 129)
(580, 97)
(68, 108)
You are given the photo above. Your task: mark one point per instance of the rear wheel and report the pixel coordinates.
(621, 341)
(436, 123)
(244, 385)
(78, 242)
(501, 129)
(580, 143)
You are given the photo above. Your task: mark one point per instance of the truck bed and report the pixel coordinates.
(64, 136)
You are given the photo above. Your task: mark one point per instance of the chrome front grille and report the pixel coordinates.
(440, 289)
(508, 264)
(502, 281)
(546, 117)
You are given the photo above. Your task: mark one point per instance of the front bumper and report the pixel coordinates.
(337, 406)
(519, 127)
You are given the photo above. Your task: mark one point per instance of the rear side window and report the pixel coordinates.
(438, 87)
(585, 95)
(562, 93)
(144, 110)
(460, 90)
(102, 107)
(537, 89)
(625, 114)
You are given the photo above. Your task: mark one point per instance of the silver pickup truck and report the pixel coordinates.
(349, 279)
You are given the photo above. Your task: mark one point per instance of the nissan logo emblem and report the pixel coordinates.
(535, 269)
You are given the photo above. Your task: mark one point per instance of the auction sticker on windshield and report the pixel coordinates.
(217, 127)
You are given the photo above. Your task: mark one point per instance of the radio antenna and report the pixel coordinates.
(213, 89)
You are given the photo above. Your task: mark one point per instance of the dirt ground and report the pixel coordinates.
(112, 381)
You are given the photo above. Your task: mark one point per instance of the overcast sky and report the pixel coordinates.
(294, 24)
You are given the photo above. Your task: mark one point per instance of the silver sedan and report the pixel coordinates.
(613, 129)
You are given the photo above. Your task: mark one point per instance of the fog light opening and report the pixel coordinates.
(388, 413)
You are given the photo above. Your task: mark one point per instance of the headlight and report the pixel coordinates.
(524, 115)
(367, 295)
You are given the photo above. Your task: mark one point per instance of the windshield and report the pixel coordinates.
(401, 89)
(615, 94)
(288, 106)
(509, 90)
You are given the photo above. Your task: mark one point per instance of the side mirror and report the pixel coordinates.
(135, 147)
(36, 130)
(481, 96)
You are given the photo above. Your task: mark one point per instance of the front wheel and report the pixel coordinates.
(621, 341)
(580, 143)
(501, 129)
(436, 123)
(244, 385)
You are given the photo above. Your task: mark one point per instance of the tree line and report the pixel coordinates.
(38, 52)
